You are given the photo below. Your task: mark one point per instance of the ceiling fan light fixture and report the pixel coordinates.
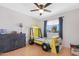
(41, 10)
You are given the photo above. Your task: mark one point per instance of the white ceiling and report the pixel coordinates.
(56, 8)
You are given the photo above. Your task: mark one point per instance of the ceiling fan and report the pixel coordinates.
(41, 8)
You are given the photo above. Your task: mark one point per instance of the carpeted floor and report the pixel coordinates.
(34, 50)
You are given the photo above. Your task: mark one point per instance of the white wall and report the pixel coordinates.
(10, 19)
(70, 26)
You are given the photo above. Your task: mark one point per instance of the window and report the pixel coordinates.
(53, 26)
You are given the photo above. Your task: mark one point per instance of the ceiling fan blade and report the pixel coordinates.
(36, 5)
(47, 10)
(34, 10)
(46, 5)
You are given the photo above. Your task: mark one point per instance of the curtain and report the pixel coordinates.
(61, 27)
(45, 26)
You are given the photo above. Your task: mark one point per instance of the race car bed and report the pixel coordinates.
(46, 43)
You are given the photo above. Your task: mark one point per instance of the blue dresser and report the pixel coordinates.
(10, 42)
